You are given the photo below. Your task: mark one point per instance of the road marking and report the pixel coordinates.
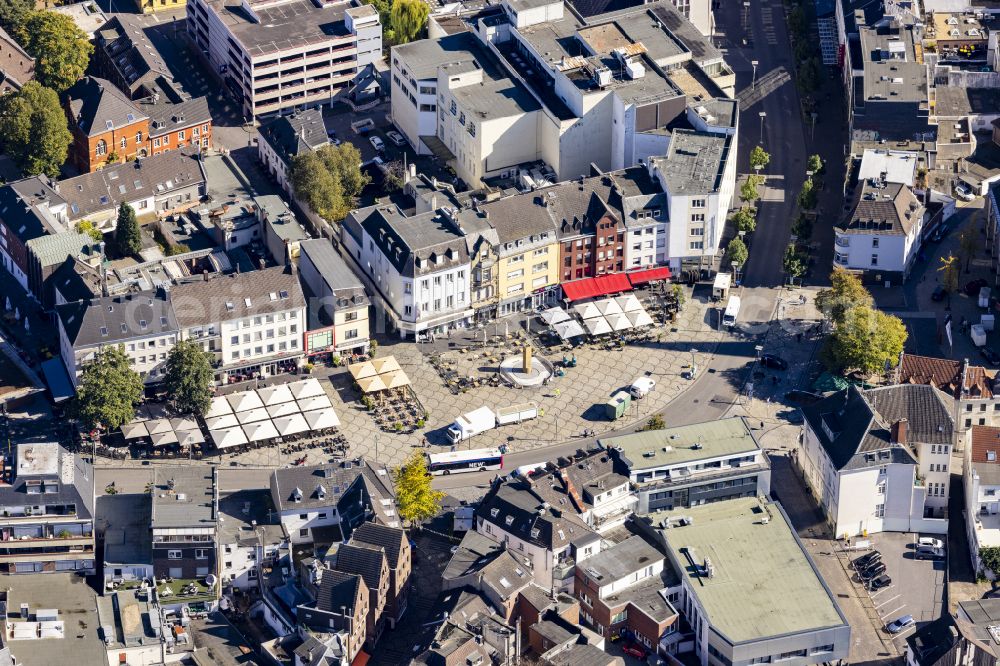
(892, 612)
(884, 589)
(888, 600)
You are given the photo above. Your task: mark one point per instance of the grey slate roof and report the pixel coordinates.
(363, 560)
(621, 560)
(113, 319)
(18, 67)
(337, 589)
(335, 478)
(97, 106)
(268, 291)
(584, 654)
(166, 117)
(184, 497)
(20, 204)
(130, 182)
(341, 280)
(131, 52)
(522, 512)
(854, 426)
(295, 134)
(885, 208)
(244, 513)
(390, 539)
(474, 552)
(506, 575)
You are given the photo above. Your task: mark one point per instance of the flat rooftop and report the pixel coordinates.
(76, 604)
(621, 560)
(245, 512)
(184, 497)
(752, 559)
(684, 444)
(694, 162)
(282, 25)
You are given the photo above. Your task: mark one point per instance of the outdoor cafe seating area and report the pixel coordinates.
(387, 389)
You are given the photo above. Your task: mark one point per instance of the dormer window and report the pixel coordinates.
(509, 520)
(494, 512)
(297, 495)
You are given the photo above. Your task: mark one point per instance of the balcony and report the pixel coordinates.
(686, 476)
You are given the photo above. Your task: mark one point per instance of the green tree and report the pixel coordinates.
(810, 75)
(384, 9)
(845, 292)
(13, 13)
(867, 340)
(989, 557)
(108, 391)
(316, 186)
(748, 190)
(950, 269)
(794, 262)
(745, 219)
(128, 237)
(759, 158)
(655, 422)
(737, 252)
(189, 377)
(344, 162)
(61, 50)
(33, 129)
(416, 500)
(967, 244)
(814, 163)
(407, 20)
(808, 196)
(88, 227)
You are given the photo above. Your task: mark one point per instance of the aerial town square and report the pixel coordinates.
(499, 332)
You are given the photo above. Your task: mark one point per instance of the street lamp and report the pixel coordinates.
(693, 366)
(736, 270)
(753, 85)
(762, 114)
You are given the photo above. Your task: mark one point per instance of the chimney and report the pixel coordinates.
(898, 432)
(104, 273)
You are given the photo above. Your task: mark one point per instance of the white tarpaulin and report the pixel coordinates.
(221, 422)
(290, 425)
(587, 310)
(183, 423)
(554, 316)
(164, 438)
(284, 409)
(244, 401)
(227, 437)
(260, 431)
(569, 329)
(597, 326)
(323, 418)
(189, 437)
(306, 388)
(253, 415)
(220, 407)
(275, 395)
(314, 403)
(639, 318)
(609, 306)
(158, 426)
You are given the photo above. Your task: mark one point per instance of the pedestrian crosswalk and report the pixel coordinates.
(765, 85)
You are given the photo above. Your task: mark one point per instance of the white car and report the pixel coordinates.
(377, 143)
(964, 192)
(930, 541)
(395, 137)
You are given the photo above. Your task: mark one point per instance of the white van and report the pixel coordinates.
(641, 387)
(732, 311)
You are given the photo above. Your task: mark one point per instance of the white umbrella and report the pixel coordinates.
(17, 314)
(261, 430)
(275, 395)
(284, 409)
(183, 423)
(587, 310)
(291, 425)
(244, 401)
(619, 322)
(554, 316)
(219, 407)
(158, 426)
(608, 306)
(597, 326)
(259, 414)
(306, 388)
(569, 329)
(629, 303)
(639, 318)
(189, 437)
(323, 418)
(227, 437)
(8, 303)
(135, 430)
(314, 403)
(164, 438)
(222, 422)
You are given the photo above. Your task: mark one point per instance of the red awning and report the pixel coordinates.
(602, 285)
(649, 275)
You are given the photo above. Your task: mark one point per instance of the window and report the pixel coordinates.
(696, 245)
(698, 217)
(138, 138)
(874, 242)
(101, 148)
(697, 203)
(304, 533)
(201, 554)
(874, 260)
(881, 489)
(156, 143)
(180, 135)
(619, 617)
(879, 510)
(173, 554)
(123, 143)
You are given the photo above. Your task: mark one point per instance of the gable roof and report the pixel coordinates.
(514, 507)
(985, 440)
(17, 67)
(113, 318)
(337, 589)
(24, 206)
(364, 560)
(166, 117)
(296, 134)
(955, 378)
(884, 208)
(130, 51)
(390, 539)
(336, 479)
(237, 295)
(97, 106)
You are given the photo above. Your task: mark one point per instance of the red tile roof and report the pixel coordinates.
(985, 440)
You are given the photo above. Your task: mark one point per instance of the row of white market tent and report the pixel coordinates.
(267, 413)
(602, 317)
(241, 418)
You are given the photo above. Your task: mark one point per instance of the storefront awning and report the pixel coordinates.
(602, 285)
(649, 275)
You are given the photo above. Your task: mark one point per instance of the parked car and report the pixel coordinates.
(973, 286)
(635, 650)
(773, 362)
(874, 571)
(803, 397)
(866, 560)
(928, 553)
(377, 143)
(991, 356)
(395, 137)
(964, 192)
(938, 294)
(899, 624)
(335, 141)
(930, 541)
(878, 583)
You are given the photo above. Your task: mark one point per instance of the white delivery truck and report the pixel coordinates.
(480, 420)
(732, 311)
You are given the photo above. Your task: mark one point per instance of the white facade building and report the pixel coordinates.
(982, 490)
(878, 461)
(285, 54)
